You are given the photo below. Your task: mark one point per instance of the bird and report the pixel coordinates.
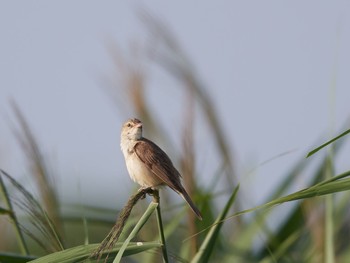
(148, 165)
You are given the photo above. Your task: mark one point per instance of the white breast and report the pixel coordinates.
(140, 173)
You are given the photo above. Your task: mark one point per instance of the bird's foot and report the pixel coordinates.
(146, 190)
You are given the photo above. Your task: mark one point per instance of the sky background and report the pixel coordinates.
(276, 71)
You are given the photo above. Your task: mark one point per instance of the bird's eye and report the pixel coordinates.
(129, 125)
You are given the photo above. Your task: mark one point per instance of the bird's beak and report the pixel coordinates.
(139, 125)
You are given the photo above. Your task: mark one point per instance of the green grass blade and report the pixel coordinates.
(39, 217)
(19, 234)
(4, 211)
(334, 185)
(152, 206)
(161, 231)
(249, 231)
(210, 240)
(83, 252)
(296, 218)
(329, 218)
(282, 248)
(327, 143)
(14, 258)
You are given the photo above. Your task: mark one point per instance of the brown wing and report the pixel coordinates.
(159, 163)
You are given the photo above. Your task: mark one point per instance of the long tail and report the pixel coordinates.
(188, 199)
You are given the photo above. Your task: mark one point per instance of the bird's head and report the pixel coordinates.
(132, 129)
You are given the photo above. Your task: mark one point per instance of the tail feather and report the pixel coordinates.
(188, 199)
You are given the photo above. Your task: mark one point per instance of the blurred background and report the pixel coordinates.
(245, 89)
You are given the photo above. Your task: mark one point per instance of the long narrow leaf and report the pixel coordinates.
(296, 218)
(327, 143)
(83, 252)
(152, 206)
(334, 185)
(5, 211)
(19, 233)
(161, 229)
(14, 258)
(40, 221)
(210, 240)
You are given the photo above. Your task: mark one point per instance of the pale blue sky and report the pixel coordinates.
(269, 66)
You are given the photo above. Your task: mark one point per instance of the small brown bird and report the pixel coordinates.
(148, 165)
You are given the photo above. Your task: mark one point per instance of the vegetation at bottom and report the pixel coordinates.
(314, 228)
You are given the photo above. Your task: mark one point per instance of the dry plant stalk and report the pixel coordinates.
(112, 238)
(39, 170)
(172, 58)
(188, 160)
(37, 216)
